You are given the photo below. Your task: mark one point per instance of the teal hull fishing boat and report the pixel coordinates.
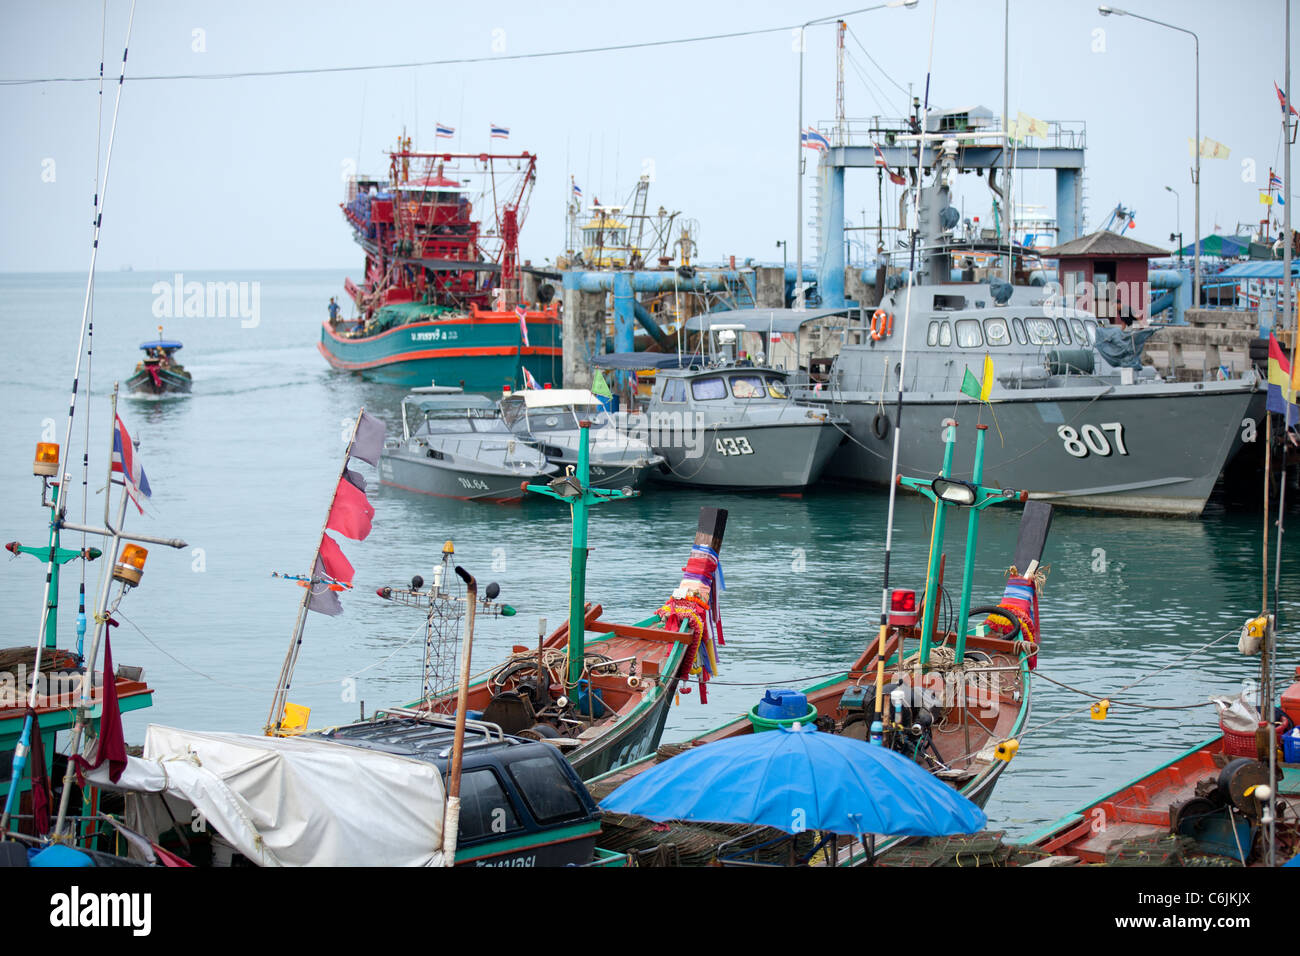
(411, 344)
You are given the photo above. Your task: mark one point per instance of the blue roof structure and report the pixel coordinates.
(1259, 269)
(161, 344)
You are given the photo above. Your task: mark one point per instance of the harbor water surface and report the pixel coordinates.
(243, 468)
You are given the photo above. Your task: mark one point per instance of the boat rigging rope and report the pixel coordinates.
(1223, 637)
(417, 633)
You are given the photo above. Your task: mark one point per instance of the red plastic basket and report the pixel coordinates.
(1237, 743)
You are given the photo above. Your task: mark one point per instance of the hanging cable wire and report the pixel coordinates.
(454, 61)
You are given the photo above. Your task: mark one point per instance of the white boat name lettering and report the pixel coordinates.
(436, 335)
(1090, 439)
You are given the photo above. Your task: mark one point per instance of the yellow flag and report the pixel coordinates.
(1214, 149)
(986, 386)
(1266, 198)
(1029, 126)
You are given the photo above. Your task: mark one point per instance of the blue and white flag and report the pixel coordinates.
(445, 132)
(500, 132)
(128, 466)
(812, 139)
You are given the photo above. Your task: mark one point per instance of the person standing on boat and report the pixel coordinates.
(334, 312)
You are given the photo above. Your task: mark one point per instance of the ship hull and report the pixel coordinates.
(169, 383)
(782, 456)
(429, 477)
(480, 354)
(1125, 449)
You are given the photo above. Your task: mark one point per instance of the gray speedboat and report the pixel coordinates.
(456, 446)
(1077, 418)
(728, 423)
(548, 419)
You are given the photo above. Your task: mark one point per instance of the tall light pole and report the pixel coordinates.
(1106, 11)
(799, 147)
(1178, 219)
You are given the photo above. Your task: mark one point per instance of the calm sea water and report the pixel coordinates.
(242, 470)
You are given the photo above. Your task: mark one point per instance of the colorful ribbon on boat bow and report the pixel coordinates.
(696, 601)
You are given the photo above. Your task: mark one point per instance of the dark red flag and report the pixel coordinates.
(352, 513)
(40, 780)
(111, 746)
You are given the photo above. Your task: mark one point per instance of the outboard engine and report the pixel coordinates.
(914, 712)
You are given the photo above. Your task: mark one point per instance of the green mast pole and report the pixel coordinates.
(936, 545)
(578, 564)
(574, 488)
(972, 532)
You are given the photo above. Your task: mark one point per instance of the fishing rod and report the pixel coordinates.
(57, 504)
(877, 722)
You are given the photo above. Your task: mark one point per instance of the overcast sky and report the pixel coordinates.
(247, 173)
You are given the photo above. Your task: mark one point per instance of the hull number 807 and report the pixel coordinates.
(1094, 440)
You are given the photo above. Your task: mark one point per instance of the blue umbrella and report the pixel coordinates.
(799, 779)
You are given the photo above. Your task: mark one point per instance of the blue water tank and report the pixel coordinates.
(782, 704)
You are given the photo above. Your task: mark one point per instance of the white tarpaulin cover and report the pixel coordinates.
(288, 801)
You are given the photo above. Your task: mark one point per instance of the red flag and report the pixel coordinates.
(112, 744)
(334, 561)
(352, 513)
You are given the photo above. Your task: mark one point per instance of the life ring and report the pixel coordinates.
(882, 325)
(880, 425)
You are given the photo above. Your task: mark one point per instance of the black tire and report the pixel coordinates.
(880, 426)
(1000, 612)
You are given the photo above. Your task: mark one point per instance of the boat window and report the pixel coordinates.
(996, 332)
(1092, 331)
(1018, 326)
(932, 334)
(747, 386)
(968, 333)
(1040, 331)
(546, 789)
(485, 810)
(674, 390)
(945, 334)
(1063, 329)
(776, 387)
(949, 303)
(708, 389)
(1080, 333)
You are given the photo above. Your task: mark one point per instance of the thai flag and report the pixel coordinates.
(880, 156)
(126, 464)
(812, 139)
(500, 132)
(523, 324)
(1283, 101)
(1274, 180)
(529, 381)
(577, 192)
(445, 132)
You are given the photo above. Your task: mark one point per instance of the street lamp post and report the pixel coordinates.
(1106, 11)
(798, 225)
(1178, 220)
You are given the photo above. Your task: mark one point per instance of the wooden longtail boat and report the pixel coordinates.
(958, 716)
(597, 689)
(1197, 808)
(159, 373)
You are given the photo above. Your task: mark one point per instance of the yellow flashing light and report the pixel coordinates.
(46, 463)
(130, 566)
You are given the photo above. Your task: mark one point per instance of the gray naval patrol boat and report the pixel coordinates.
(549, 420)
(1078, 419)
(726, 421)
(455, 445)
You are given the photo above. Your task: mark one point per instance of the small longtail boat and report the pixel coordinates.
(954, 702)
(158, 373)
(1200, 808)
(597, 689)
